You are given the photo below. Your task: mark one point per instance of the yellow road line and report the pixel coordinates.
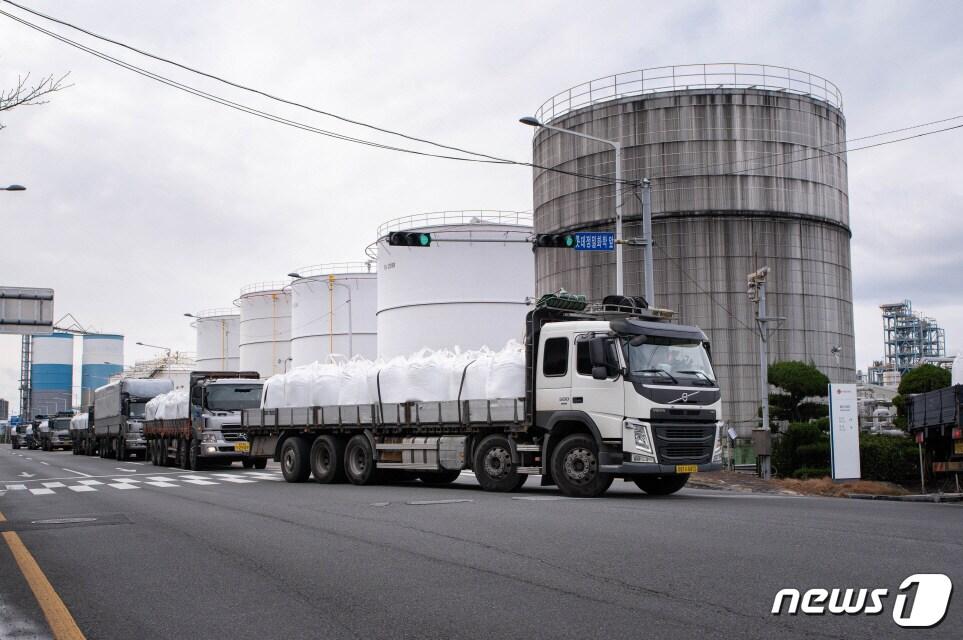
(58, 617)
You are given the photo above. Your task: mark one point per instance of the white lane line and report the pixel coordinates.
(54, 485)
(162, 478)
(159, 483)
(423, 502)
(90, 482)
(235, 480)
(200, 482)
(123, 485)
(126, 470)
(541, 498)
(41, 492)
(195, 477)
(86, 475)
(81, 488)
(46, 463)
(16, 487)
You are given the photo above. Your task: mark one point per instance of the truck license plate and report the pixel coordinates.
(686, 468)
(242, 447)
(958, 447)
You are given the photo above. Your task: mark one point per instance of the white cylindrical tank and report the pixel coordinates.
(103, 357)
(218, 335)
(51, 373)
(265, 338)
(467, 289)
(333, 311)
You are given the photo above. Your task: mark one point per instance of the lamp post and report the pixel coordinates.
(14, 187)
(167, 355)
(646, 215)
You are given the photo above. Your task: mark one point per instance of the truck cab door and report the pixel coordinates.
(602, 399)
(553, 389)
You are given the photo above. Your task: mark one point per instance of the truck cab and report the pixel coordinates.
(55, 434)
(15, 430)
(216, 402)
(625, 395)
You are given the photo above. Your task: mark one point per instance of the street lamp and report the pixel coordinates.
(14, 187)
(154, 346)
(189, 315)
(646, 215)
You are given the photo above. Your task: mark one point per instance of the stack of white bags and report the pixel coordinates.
(427, 376)
(167, 406)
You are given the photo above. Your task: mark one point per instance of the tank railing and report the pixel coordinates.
(729, 75)
(474, 216)
(214, 313)
(337, 268)
(258, 287)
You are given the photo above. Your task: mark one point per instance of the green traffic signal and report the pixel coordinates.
(555, 240)
(409, 239)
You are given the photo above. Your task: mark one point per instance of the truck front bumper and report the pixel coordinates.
(221, 450)
(135, 445)
(651, 469)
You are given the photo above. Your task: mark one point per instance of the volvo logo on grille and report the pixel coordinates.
(684, 397)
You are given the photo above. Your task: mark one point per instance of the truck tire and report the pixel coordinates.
(327, 459)
(194, 455)
(438, 478)
(121, 450)
(575, 467)
(183, 454)
(260, 463)
(247, 464)
(359, 465)
(493, 465)
(294, 459)
(661, 485)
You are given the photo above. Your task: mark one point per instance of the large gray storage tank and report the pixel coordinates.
(746, 172)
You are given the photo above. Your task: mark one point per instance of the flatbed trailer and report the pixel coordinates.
(934, 419)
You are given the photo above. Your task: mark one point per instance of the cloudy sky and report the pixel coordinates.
(144, 202)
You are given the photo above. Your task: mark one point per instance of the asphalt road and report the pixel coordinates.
(232, 553)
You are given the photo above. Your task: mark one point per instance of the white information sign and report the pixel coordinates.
(844, 431)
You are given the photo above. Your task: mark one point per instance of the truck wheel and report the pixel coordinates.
(327, 459)
(247, 464)
(121, 450)
(294, 460)
(438, 478)
(260, 463)
(359, 464)
(493, 465)
(194, 455)
(661, 485)
(575, 467)
(184, 455)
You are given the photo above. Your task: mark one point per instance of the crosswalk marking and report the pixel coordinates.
(200, 482)
(90, 482)
(123, 485)
(16, 487)
(161, 483)
(125, 480)
(81, 488)
(44, 487)
(235, 479)
(42, 492)
(54, 485)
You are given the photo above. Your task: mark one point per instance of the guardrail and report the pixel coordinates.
(437, 218)
(337, 268)
(258, 287)
(724, 75)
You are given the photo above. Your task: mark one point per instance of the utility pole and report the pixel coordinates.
(757, 294)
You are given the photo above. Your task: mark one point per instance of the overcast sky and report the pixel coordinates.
(144, 202)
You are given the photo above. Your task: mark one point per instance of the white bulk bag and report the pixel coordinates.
(354, 382)
(429, 377)
(272, 397)
(392, 380)
(297, 386)
(956, 374)
(476, 372)
(326, 386)
(176, 405)
(506, 378)
(150, 409)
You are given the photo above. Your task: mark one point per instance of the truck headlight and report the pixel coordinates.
(643, 436)
(717, 449)
(209, 437)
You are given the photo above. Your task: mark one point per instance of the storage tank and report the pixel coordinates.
(265, 338)
(744, 174)
(333, 311)
(103, 357)
(469, 288)
(218, 340)
(51, 373)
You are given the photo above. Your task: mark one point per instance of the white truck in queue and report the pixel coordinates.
(117, 431)
(611, 391)
(209, 431)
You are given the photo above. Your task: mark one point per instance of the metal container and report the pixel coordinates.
(103, 357)
(52, 373)
(218, 340)
(333, 309)
(745, 173)
(264, 343)
(468, 289)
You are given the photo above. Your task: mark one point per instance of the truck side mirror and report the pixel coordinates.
(600, 372)
(602, 367)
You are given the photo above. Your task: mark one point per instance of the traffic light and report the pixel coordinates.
(409, 239)
(557, 240)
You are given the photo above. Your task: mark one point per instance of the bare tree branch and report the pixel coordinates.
(25, 93)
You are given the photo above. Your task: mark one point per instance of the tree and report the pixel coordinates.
(797, 381)
(25, 93)
(927, 377)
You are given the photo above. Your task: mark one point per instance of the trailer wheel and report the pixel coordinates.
(575, 467)
(260, 463)
(493, 465)
(294, 459)
(327, 459)
(184, 454)
(438, 478)
(359, 464)
(194, 455)
(661, 485)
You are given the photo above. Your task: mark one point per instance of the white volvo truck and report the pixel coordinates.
(610, 393)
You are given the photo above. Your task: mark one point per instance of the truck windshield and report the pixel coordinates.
(62, 424)
(233, 397)
(138, 410)
(668, 361)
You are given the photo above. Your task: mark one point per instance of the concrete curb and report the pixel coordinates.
(929, 497)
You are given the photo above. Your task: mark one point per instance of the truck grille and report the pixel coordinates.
(684, 444)
(233, 433)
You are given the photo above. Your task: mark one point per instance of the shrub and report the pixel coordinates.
(785, 456)
(888, 458)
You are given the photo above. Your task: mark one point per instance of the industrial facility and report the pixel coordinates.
(745, 172)
(909, 337)
(264, 342)
(218, 339)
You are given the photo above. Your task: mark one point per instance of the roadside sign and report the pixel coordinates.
(25, 310)
(844, 431)
(594, 241)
